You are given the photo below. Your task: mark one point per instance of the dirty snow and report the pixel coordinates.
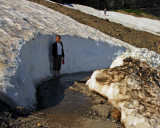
(143, 54)
(134, 89)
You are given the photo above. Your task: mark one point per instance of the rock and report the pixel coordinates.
(140, 74)
(102, 101)
(39, 125)
(128, 59)
(4, 125)
(102, 110)
(114, 121)
(116, 114)
(22, 110)
(107, 20)
(118, 34)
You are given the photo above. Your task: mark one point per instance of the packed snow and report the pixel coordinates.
(143, 54)
(137, 23)
(27, 31)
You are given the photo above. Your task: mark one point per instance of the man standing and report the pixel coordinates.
(58, 55)
(105, 11)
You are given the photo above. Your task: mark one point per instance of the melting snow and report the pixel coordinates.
(27, 31)
(137, 23)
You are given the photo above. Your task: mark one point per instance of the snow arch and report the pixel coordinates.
(35, 65)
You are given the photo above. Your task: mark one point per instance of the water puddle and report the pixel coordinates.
(59, 103)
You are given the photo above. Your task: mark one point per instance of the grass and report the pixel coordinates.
(137, 12)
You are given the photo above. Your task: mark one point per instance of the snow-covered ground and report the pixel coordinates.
(137, 23)
(27, 31)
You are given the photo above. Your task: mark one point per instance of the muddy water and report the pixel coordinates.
(62, 106)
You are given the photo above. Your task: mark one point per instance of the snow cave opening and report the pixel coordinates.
(35, 65)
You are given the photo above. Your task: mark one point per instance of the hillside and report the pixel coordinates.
(30, 95)
(143, 39)
(152, 7)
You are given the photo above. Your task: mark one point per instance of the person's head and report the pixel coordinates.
(58, 38)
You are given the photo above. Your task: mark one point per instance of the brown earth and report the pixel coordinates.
(136, 38)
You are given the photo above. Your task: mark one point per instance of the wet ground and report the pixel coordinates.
(64, 106)
(55, 92)
(64, 103)
(60, 104)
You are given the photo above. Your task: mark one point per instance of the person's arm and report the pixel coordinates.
(62, 51)
(53, 50)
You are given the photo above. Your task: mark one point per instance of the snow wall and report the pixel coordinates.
(35, 64)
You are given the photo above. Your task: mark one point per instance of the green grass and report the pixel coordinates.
(137, 12)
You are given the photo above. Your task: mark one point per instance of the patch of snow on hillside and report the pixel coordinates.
(137, 23)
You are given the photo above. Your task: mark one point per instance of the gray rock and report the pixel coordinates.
(22, 110)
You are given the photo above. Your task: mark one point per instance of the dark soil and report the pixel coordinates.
(136, 38)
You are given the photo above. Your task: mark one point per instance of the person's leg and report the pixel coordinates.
(59, 64)
(55, 66)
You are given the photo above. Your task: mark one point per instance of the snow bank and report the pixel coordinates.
(137, 23)
(87, 54)
(134, 89)
(35, 63)
(143, 54)
(27, 31)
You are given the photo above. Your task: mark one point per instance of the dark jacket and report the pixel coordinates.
(54, 49)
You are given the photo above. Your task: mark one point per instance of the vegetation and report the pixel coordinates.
(137, 12)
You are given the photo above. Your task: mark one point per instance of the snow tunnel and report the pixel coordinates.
(35, 65)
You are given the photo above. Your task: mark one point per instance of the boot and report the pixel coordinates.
(56, 74)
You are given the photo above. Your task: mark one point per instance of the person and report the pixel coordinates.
(58, 55)
(105, 11)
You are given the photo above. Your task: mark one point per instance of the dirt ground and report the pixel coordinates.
(64, 103)
(136, 38)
